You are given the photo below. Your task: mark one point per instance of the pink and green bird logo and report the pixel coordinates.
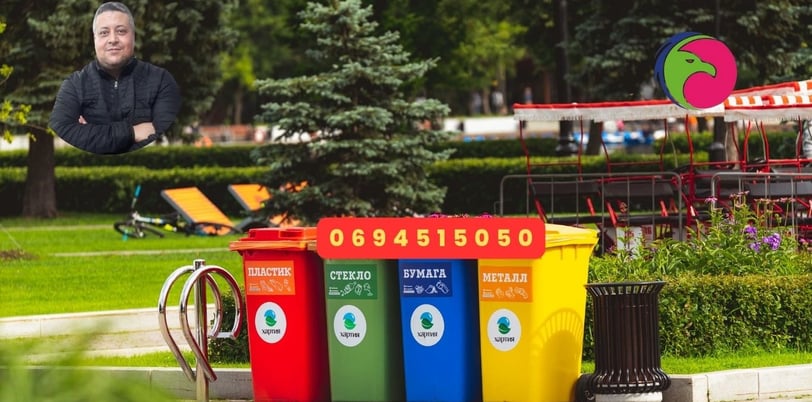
(695, 71)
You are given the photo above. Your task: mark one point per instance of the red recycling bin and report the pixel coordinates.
(284, 291)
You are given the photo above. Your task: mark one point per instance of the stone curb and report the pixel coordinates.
(788, 382)
(791, 382)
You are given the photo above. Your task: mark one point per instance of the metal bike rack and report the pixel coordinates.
(200, 274)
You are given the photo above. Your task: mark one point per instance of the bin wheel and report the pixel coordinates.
(582, 392)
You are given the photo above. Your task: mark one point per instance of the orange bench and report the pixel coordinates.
(252, 198)
(198, 211)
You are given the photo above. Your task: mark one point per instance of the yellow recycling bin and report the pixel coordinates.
(532, 319)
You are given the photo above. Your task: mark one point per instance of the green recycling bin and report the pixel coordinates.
(363, 330)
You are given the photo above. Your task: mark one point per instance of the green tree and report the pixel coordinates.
(49, 39)
(370, 155)
(617, 43)
(476, 43)
(264, 49)
(11, 115)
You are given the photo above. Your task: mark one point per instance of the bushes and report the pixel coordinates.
(702, 315)
(782, 145)
(110, 189)
(737, 284)
(158, 157)
(151, 157)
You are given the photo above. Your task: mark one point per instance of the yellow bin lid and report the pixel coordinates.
(562, 235)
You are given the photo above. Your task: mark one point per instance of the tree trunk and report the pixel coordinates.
(565, 146)
(39, 196)
(731, 150)
(238, 104)
(486, 101)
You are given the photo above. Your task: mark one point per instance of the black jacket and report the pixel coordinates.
(143, 93)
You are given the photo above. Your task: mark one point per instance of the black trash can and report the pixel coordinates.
(627, 339)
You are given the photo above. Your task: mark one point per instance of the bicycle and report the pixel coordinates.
(139, 227)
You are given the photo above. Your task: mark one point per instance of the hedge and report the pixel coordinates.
(240, 154)
(704, 315)
(109, 188)
(782, 145)
(153, 157)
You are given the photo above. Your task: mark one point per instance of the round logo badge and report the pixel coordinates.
(504, 330)
(270, 322)
(427, 325)
(695, 71)
(350, 325)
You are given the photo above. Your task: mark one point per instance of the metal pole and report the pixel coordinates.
(196, 283)
(202, 383)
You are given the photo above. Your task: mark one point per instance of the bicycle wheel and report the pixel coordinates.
(130, 229)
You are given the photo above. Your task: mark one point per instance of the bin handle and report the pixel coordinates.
(268, 245)
(298, 233)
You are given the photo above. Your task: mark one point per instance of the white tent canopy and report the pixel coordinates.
(784, 101)
(602, 111)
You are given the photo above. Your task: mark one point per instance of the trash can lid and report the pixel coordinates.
(275, 239)
(562, 235)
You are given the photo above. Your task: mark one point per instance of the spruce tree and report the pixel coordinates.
(369, 148)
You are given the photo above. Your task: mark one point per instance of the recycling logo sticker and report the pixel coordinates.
(350, 325)
(504, 330)
(427, 325)
(271, 322)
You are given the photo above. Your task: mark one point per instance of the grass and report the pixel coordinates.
(728, 361)
(157, 359)
(84, 265)
(78, 263)
(671, 365)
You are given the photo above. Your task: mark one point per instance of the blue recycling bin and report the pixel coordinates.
(439, 309)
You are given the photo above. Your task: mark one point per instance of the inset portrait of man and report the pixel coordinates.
(116, 103)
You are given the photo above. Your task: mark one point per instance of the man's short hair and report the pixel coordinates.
(114, 6)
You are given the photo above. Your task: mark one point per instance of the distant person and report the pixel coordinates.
(476, 103)
(116, 103)
(498, 101)
(527, 95)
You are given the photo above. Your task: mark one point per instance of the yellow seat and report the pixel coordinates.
(252, 198)
(199, 211)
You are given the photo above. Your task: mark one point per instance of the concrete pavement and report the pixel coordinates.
(133, 332)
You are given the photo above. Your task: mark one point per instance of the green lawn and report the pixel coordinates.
(80, 263)
(671, 365)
